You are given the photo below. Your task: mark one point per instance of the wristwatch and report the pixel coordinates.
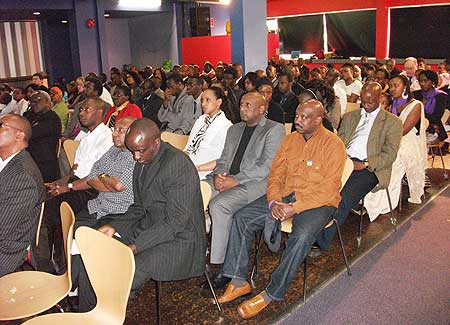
(366, 164)
(70, 186)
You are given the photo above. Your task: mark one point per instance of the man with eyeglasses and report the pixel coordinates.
(22, 192)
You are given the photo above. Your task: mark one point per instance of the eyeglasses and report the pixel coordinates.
(3, 125)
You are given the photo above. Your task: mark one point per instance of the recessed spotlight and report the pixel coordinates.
(106, 15)
(36, 13)
(64, 21)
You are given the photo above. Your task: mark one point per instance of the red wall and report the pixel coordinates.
(197, 50)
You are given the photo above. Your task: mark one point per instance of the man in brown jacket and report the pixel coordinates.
(372, 137)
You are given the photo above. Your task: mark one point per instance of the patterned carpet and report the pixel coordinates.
(183, 302)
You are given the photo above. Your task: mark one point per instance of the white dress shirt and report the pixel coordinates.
(212, 145)
(415, 85)
(353, 88)
(92, 146)
(5, 162)
(358, 148)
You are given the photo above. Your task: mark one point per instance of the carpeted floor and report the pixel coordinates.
(184, 303)
(404, 280)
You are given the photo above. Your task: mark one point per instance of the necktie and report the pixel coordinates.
(360, 129)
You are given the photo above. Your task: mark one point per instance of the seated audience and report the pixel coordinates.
(59, 106)
(21, 194)
(241, 172)
(382, 76)
(306, 192)
(151, 101)
(372, 137)
(208, 134)
(250, 82)
(350, 85)
(232, 89)
(133, 81)
(165, 226)
(18, 104)
(116, 80)
(435, 103)
(412, 154)
(30, 90)
(390, 65)
(122, 107)
(239, 81)
(46, 130)
(444, 76)
(271, 73)
(194, 89)
(331, 77)
(284, 96)
(325, 94)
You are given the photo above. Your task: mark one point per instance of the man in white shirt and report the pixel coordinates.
(18, 104)
(93, 144)
(372, 137)
(331, 78)
(409, 70)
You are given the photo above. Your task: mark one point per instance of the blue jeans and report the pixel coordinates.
(249, 220)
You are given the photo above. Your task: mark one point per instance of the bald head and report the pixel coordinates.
(253, 107)
(143, 140)
(20, 123)
(371, 96)
(15, 131)
(308, 117)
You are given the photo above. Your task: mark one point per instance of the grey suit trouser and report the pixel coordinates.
(222, 207)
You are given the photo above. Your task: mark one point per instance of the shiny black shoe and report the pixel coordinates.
(218, 282)
(315, 251)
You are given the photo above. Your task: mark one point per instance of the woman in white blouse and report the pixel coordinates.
(208, 134)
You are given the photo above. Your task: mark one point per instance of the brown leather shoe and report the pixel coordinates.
(232, 293)
(252, 307)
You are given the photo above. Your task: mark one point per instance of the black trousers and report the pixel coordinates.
(357, 186)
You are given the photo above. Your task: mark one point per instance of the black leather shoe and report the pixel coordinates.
(218, 282)
(315, 251)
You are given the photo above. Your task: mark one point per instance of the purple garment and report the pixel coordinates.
(430, 96)
(397, 103)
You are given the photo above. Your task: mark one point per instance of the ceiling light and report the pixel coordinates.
(64, 21)
(106, 15)
(36, 13)
(139, 4)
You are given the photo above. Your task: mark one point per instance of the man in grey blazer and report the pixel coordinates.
(372, 137)
(165, 226)
(21, 193)
(241, 173)
(178, 113)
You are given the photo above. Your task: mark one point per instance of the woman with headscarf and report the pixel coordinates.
(59, 106)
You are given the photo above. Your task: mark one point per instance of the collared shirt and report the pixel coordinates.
(92, 146)
(354, 88)
(358, 147)
(119, 163)
(312, 169)
(5, 162)
(15, 107)
(413, 81)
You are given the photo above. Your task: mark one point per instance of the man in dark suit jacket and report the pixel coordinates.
(372, 137)
(284, 96)
(21, 193)
(44, 141)
(151, 102)
(165, 227)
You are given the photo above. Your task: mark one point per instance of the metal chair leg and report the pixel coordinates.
(219, 308)
(305, 277)
(341, 242)
(393, 218)
(255, 261)
(443, 164)
(432, 156)
(400, 201)
(361, 214)
(158, 302)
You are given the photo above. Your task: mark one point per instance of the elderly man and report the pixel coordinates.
(21, 194)
(240, 175)
(303, 184)
(372, 137)
(409, 70)
(165, 226)
(46, 130)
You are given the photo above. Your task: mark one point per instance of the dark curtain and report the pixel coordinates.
(420, 32)
(303, 33)
(352, 33)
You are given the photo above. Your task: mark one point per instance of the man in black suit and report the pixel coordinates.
(21, 193)
(150, 102)
(46, 130)
(165, 227)
(284, 96)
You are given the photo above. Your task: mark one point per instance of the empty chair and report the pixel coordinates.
(110, 267)
(179, 141)
(70, 148)
(29, 293)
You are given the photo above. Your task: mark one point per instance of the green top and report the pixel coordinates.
(63, 112)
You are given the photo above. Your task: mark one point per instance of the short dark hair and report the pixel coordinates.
(196, 79)
(287, 74)
(349, 65)
(252, 76)
(32, 86)
(97, 84)
(263, 81)
(22, 90)
(176, 78)
(387, 74)
(232, 71)
(125, 89)
(37, 74)
(430, 75)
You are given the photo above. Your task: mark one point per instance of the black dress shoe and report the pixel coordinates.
(218, 282)
(315, 251)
